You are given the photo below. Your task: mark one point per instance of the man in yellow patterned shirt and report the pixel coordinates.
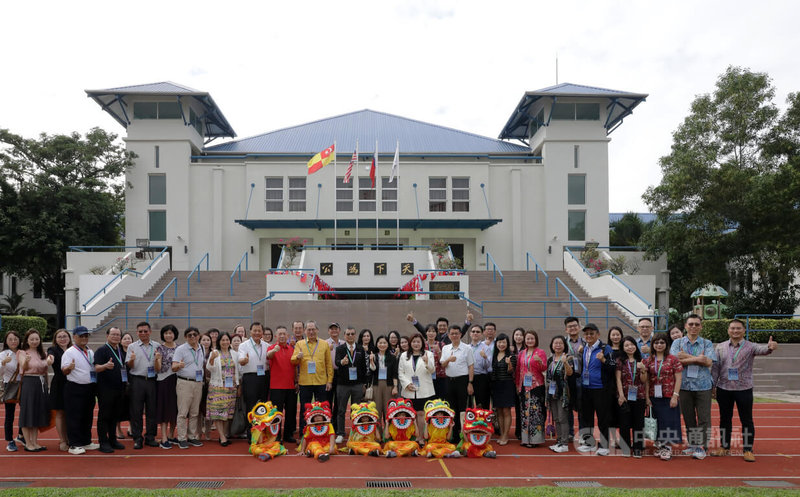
(313, 359)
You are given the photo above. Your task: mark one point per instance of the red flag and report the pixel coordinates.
(373, 167)
(321, 160)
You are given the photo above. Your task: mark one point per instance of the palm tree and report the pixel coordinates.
(13, 304)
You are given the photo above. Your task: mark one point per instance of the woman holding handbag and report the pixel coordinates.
(631, 391)
(223, 364)
(665, 372)
(559, 368)
(9, 368)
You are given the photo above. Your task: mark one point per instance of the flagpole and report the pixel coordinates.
(397, 228)
(357, 197)
(335, 210)
(377, 184)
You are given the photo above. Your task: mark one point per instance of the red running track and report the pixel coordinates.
(777, 437)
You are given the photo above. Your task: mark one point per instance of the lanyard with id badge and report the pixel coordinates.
(382, 369)
(122, 370)
(632, 389)
(92, 372)
(311, 365)
(527, 379)
(352, 372)
(259, 366)
(587, 359)
(198, 373)
(151, 369)
(692, 370)
(733, 372)
(657, 390)
(551, 390)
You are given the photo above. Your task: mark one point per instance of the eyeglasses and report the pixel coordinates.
(692, 324)
(192, 334)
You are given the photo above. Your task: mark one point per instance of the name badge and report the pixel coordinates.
(586, 379)
(415, 381)
(733, 374)
(352, 374)
(527, 380)
(124, 373)
(692, 371)
(93, 376)
(229, 382)
(198, 375)
(552, 388)
(151, 372)
(657, 393)
(260, 370)
(632, 391)
(381, 373)
(433, 375)
(311, 367)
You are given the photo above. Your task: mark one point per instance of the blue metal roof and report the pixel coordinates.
(366, 126)
(620, 105)
(482, 224)
(215, 124)
(646, 217)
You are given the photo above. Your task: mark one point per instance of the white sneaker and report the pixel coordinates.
(561, 448)
(553, 447)
(602, 452)
(91, 447)
(339, 439)
(77, 451)
(585, 448)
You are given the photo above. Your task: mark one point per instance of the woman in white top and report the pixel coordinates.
(8, 368)
(415, 371)
(223, 365)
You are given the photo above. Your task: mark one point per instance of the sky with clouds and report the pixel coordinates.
(462, 64)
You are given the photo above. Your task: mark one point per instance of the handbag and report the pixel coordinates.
(239, 421)
(11, 391)
(549, 426)
(650, 426)
(369, 394)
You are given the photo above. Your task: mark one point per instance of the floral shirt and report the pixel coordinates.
(663, 373)
(628, 368)
(166, 361)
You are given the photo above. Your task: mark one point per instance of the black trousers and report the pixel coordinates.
(594, 401)
(482, 387)
(318, 393)
(255, 389)
(631, 425)
(457, 397)
(111, 405)
(744, 405)
(11, 408)
(79, 404)
(143, 402)
(285, 399)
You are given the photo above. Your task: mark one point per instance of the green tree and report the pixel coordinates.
(57, 191)
(728, 198)
(627, 230)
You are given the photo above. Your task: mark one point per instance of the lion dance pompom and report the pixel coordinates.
(319, 433)
(476, 434)
(401, 427)
(364, 436)
(265, 426)
(439, 419)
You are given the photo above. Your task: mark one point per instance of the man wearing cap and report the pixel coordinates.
(112, 379)
(254, 366)
(333, 342)
(352, 378)
(143, 361)
(313, 359)
(597, 379)
(77, 364)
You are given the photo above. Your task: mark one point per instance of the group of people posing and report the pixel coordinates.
(191, 389)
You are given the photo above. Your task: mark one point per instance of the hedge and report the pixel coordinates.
(22, 324)
(716, 330)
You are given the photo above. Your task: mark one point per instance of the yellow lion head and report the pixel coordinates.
(266, 420)
(364, 417)
(438, 412)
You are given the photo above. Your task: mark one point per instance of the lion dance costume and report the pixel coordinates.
(363, 438)
(317, 434)
(400, 418)
(476, 434)
(439, 419)
(265, 425)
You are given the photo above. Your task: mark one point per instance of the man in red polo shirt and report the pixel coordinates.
(281, 381)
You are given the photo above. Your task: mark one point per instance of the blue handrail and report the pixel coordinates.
(572, 297)
(613, 276)
(121, 274)
(372, 246)
(536, 270)
(173, 281)
(80, 248)
(495, 270)
(195, 270)
(239, 269)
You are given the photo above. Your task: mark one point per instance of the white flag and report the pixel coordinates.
(395, 164)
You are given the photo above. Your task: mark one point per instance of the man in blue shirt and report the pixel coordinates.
(596, 382)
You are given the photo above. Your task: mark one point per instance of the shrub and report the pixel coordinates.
(716, 330)
(22, 324)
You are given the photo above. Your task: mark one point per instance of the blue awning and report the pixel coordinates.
(481, 224)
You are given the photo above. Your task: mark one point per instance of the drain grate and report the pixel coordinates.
(578, 484)
(388, 484)
(769, 483)
(199, 484)
(14, 484)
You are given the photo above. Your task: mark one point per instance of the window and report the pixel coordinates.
(2, 283)
(344, 195)
(13, 285)
(537, 122)
(388, 195)
(158, 225)
(576, 112)
(563, 112)
(274, 194)
(576, 189)
(156, 110)
(460, 194)
(196, 121)
(366, 195)
(576, 156)
(158, 189)
(157, 157)
(437, 194)
(576, 225)
(297, 194)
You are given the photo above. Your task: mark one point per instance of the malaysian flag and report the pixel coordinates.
(349, 172)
